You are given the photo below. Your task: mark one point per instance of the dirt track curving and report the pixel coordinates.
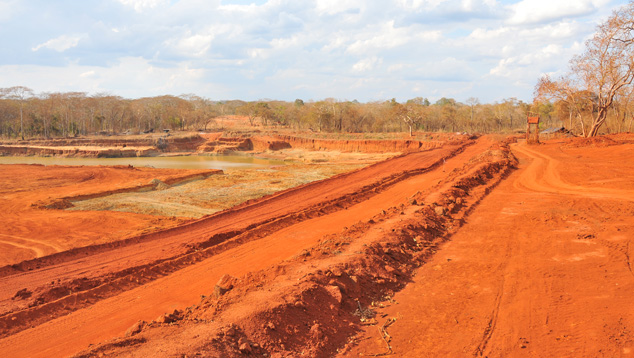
(542, 268)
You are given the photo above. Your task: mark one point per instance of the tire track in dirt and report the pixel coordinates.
(36, 250)
(542, 175)
(490, 328)
(39, 247)
(561, 295)
(372, 257)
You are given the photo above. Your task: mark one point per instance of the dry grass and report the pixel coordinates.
(235, 186)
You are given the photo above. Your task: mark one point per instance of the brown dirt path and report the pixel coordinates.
(542, 268)
(112, 316)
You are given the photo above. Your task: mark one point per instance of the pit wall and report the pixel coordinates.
(264, 143)
(19, 150)
(172, 143)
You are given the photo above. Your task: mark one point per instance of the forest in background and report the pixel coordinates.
(70, 114)
(48, 115)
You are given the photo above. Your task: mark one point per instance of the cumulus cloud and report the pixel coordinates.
(287, 49)
(141, 5)
(128, 77)
(538, 11)
(367, 64)
(331, 7)
(189, 44)
(61, 43)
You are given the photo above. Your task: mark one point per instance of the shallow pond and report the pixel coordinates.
(180, 162)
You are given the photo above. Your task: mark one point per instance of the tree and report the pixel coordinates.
(410, 113)
(472, 102)
(605, 69)
(19, 93)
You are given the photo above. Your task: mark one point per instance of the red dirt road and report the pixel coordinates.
(440, 253)
(543, 267)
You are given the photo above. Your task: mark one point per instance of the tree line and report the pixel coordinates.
(24, 114)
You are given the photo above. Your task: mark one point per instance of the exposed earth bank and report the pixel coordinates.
(222, 142)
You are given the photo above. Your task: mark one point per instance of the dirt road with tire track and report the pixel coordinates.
(542, 268)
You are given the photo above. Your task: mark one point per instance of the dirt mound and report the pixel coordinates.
(159, 184)
(353, 145)
(104, 147)
(596, 142)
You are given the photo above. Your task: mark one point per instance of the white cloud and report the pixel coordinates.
(189, 44)
(287, 49)
(367, 64)
(141, 5)
(420, 4)
(388, 37)
(537, 11)
(60, 44)
(128, 77)
(331, 7)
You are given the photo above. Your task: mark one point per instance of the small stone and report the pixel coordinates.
(225, 284)
(439, 210)
(165, 318)
(335, 292)
(245, 348)
(135, 329)
(316, 331)
(230, 332)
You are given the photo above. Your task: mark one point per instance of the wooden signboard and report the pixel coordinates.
(533, 120)
(532, 138)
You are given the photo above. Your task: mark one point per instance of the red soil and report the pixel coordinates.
(29, 232)
(411, 257)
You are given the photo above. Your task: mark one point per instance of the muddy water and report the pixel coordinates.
(180, 162)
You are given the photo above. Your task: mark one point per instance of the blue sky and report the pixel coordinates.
(286, 49)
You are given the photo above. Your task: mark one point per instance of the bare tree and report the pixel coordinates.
(20, 94)
(605, 69)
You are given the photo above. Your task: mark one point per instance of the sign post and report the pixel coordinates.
(532, 120)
